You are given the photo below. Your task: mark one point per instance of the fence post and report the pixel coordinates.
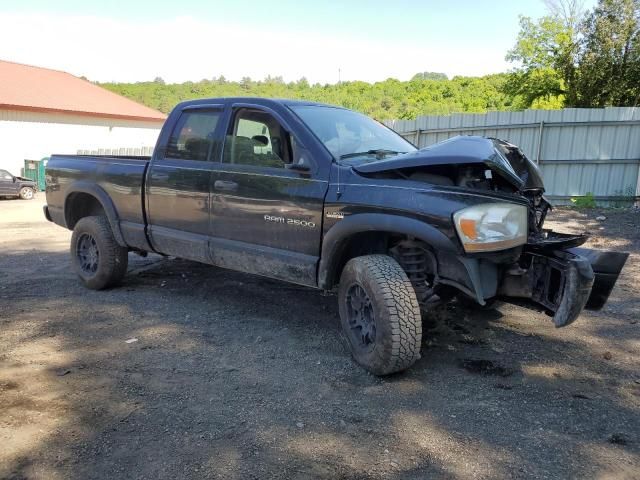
(539, 142)
(637, 199)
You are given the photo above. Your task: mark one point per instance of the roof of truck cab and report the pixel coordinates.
(37, 89)
(257, 100)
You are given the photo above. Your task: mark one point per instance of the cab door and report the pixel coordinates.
(7, 185)
(178, 183)
(267, 199)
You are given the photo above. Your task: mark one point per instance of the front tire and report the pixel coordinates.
(27, 193)
(380, 314)
(95, 255)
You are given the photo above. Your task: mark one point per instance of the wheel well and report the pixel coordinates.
(358, 244)
(79, 205)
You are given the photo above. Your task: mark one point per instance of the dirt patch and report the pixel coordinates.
(233, 376)
(485, 367)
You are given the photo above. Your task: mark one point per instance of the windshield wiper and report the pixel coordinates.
(380, 152)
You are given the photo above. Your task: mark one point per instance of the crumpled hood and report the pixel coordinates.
(501, 157)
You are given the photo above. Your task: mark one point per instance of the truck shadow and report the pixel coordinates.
(189, 371)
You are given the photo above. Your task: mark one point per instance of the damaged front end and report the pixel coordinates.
(554, 273)
(546, 271)
(561, 280)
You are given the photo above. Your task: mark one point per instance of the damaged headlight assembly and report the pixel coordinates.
(490, 227)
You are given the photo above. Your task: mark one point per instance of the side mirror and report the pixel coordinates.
(297, 167)
(15, 179)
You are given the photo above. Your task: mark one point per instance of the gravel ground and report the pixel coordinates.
(188, 371)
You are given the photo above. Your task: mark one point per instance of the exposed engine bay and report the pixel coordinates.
(548, 273)
(470, 162)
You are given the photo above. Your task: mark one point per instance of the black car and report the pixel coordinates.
(12, 186)
(328, 198)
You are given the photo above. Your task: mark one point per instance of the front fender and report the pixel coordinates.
(337, 237)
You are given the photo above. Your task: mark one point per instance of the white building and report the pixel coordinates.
(46, 111)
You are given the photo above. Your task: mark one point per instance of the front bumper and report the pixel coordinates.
(560, 279)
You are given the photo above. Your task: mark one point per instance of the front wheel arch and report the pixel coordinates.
(338, 237)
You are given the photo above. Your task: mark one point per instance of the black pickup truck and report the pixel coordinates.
(325, 197)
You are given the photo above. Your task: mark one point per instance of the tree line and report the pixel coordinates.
(382, 100)
(568, 58)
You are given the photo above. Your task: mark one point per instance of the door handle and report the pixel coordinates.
(225, 185)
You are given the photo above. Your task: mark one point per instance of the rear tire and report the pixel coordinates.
(27, 193)
(380, 314)
(95, 255)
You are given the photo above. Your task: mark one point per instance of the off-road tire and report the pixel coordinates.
(27, 193)
(112, 259)
(396, 313)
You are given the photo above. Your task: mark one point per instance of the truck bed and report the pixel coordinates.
(117, 181)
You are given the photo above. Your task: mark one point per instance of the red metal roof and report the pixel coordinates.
(23, 87)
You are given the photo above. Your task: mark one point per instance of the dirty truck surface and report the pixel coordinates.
(325, 197)
(234, 376)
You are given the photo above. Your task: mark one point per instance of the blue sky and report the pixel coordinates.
(194, 39)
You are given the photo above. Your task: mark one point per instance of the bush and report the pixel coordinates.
(586, 201)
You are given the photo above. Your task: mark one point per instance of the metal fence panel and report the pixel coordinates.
(594, 150)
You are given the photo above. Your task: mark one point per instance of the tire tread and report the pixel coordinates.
(401, 311)
(114, 259)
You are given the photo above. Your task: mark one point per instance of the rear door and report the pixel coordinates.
(266, 216)
(178, 183)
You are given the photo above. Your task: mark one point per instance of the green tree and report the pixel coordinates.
(246, 83)
(430, 76)
(390, 98)
(571, 59)
(610, 63)
(546, 53)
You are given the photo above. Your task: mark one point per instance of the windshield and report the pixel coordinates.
(351, 137)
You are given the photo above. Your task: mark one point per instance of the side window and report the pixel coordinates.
(193, 135)
(300, 155)
(5, 176)
(256, 138)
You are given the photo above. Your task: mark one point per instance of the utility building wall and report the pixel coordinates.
(34, 135)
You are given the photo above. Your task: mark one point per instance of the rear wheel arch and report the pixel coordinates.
(90, 200)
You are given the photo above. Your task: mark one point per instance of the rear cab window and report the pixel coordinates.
(193, 136)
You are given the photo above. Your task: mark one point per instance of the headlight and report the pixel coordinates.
(491, 226)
